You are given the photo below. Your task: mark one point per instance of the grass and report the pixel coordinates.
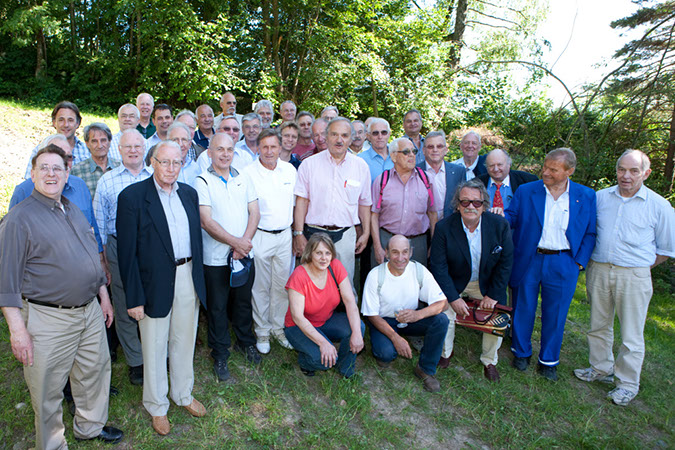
(275, 406)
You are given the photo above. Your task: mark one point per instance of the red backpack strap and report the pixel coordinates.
(425, 180)
(383, 183)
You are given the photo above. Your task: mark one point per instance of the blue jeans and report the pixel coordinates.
(335, 329)
(432, 328)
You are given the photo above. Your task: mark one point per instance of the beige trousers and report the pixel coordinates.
(273, 255)
(67, 342)
(491, 343)
(178, 330)
(626, 291)
(345, 249)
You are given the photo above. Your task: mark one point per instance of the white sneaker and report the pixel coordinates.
(263, 344)
(621, 396)
(590, 374)
(281, 339)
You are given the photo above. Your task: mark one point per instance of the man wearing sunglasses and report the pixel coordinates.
(403, 204)
(472, 255)
(377, 156)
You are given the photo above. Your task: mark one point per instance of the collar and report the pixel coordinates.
(212, 171)
(641, 193)
(427, 167)
(466, 230)
(161, 191)
(567, 189)
(49, 202)
(505, 182)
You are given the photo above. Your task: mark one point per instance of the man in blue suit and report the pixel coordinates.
(443, 175)
(160, 258)
(553, 223)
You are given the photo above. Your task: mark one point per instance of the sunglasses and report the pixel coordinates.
(408, 151)
(377, 133)
(475, 203)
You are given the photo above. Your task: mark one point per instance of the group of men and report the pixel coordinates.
(196, 209)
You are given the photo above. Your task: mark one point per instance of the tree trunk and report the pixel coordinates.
(670, 159)
(458, 33)
(41, 53)
(72, 26)
(374, 98)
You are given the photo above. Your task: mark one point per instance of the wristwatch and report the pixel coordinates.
(296, 233)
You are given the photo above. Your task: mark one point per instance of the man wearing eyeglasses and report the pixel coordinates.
(50, 277)
(160, 257)
(377, 157)
(132, 170)
(472, 254)
(403, 203)
(319, 134)
(180, 134)
(188, 118)
(246, 150)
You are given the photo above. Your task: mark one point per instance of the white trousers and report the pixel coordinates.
(273, 255)
(626, 291)
(345, 249)
(491, 343)
(178, 331)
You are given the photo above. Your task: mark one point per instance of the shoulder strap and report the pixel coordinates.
(383, 183)
(332, 274)
(425, 180)
(203, 179)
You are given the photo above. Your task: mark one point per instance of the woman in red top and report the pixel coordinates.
(314, 291)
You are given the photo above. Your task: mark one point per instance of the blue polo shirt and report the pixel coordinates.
(376, 163)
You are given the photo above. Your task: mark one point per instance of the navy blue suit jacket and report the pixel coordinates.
(145, 253)
(526, 216)
(450, 261)
(454, 174)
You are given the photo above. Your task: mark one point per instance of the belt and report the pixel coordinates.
(328, 227)
(273, 231)
(180, 262)
(53, 305)
(545, 251)
(409, 237)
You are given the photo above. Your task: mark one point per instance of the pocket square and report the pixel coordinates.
(497, 249)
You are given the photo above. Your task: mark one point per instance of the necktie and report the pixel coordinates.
(498, 202)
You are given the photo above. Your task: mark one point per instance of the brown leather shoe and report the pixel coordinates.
(490, 372)
(195, 408)
(161, 425)
(444, 363)
(431, 384)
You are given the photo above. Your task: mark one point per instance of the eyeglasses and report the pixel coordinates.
(181, 141)
(165, 163)
(408, 151)
(475, 203)
(377, 133)
(251, 127)
(135, 147)
(228, 129)
(46, 168)
(127, 116)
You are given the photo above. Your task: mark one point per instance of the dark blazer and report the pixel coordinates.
(480, 168)
(450, 261)
(145, 253)
(517, 178)
(454, 174)
(526, 216)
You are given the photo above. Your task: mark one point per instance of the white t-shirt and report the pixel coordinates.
(275, 193)
(397, 293)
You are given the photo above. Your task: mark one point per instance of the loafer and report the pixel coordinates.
(136, 375)
(444, 363)
(521, 363)
(490, 372)
(221, 370)
(195, 408)
(109, 435)
(548, 372)
(161, 425)
(431, 384)
(250, 352)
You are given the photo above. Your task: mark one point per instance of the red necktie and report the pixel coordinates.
(498, 202)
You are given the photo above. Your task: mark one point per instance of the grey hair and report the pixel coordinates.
(187, 112)
(437, 133)
(378, 120)
(330, 108)
(396, 144)
(644, 159)
(251, 116)
(180, 125)
(49, 139)
(152, 99)
(472, 133)
(264, 104)
(100, 126)
(499, 150)
(474, 183)
(340, 119)
(567, 156)
(132, 106)
(218, 120)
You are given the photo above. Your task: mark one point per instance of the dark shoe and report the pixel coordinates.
(490, 372)
(431, 384)
(250, 352)
(444, 363)
(383, 364)
(109, 435)
(221, 370)
(114, 391)
(113, 356)
(548, 372)
(521, 363)
(307, 373)
(136, 375)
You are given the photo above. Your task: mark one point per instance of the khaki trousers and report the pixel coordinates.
(273, 255)
(491, 343)
(626, 291)
(67, 342)
(178, 330)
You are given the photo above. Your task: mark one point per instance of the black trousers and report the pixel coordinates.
(223, 304)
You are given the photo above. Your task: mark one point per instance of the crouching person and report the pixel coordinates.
(390, 299)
